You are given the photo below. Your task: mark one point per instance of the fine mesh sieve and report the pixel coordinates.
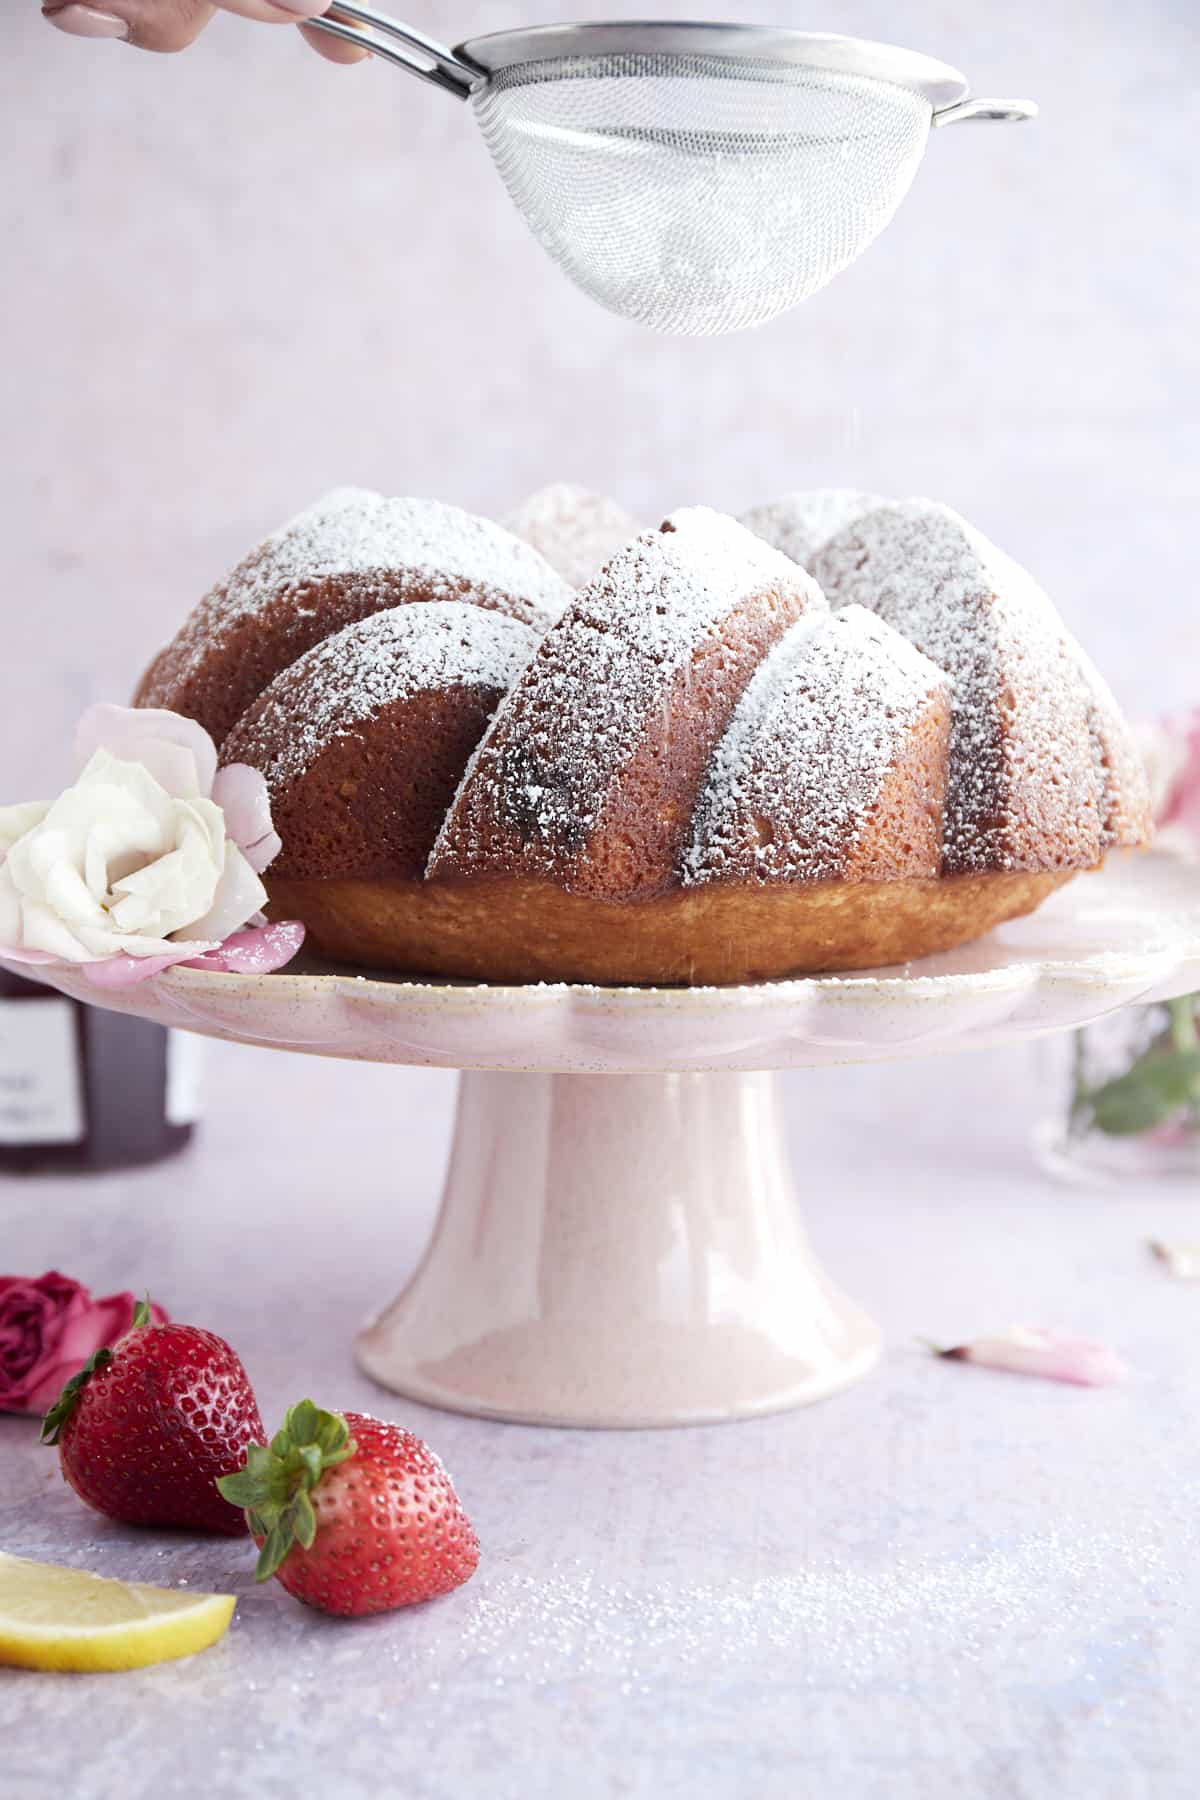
(695, 178)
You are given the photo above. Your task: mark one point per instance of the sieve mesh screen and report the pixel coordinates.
(698, 193)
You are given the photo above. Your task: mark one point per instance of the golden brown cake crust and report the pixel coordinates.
(513, 929)
(363, 740)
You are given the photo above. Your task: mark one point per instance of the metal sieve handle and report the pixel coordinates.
(986, 109)
(400, 44)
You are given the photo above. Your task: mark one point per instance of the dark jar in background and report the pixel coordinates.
(83, 1089)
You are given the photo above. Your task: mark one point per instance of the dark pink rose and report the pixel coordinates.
(49, 1327)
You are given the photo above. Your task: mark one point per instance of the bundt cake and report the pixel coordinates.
(708, 764)
(352, 554)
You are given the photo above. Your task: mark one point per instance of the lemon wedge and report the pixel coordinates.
(57, 1618)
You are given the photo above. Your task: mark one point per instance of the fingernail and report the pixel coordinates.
(87, 21)
(303, 9)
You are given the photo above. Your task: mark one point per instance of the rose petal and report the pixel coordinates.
(152, 737)
(1181, 1260)
(238, 896)
(41, 930)
(241, 793)
(257, 952)
(15, 953)
(1182, 809)
(1054, 1355)
(123, 971)
(49, 1326)
(12, 928)
(16, 820)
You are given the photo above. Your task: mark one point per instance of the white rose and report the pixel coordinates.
(121, 863)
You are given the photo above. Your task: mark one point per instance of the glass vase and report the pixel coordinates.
(1125, 1092)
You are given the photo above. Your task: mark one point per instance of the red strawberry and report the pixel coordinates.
(353, 1525)
(146, 1428)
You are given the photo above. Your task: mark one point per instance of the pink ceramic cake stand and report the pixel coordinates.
(619, 1241)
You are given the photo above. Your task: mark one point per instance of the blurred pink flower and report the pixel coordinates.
(49, 1327)
(1034, 1350)
(1171, 752)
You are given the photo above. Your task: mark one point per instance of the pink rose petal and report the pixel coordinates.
(259, 951)
(124, 971)
(132, 732)
(1181, 1260)
(1034, 1350)
(1182, 808)
(17, 953)
(49, 1326)
(241, 793)
(256, 952)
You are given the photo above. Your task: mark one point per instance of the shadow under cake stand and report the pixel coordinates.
(619, 1241)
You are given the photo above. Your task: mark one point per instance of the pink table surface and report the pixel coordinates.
(945, 1581)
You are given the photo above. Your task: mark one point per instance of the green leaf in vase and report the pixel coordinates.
(1147, 1095)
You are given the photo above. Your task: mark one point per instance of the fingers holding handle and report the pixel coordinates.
(168, 25)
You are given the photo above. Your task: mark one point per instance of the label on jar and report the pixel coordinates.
(185, 1064)
(41, 1092)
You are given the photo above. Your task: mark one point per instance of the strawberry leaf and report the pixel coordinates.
(64, 1406)
(276, 1480)
(305, 1521)
(276, 1545)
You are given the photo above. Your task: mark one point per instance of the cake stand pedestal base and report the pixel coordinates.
(618, 1250)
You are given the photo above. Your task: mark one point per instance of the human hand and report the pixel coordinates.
(174, 24)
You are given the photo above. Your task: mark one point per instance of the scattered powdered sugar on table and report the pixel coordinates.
(807, 751)
(802, 523)
(350, 677)
(575, 530)
(870, 1621)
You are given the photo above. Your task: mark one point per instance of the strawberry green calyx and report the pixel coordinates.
(67, 1401)
(276, 1480)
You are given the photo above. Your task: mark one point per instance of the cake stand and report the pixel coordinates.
(619, 1241)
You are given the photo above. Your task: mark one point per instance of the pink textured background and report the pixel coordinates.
(235, 277)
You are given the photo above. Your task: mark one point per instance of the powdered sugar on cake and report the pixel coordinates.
(811, 744)
(389, 548)
(349, 678)
(569, 731)
(1021, 769)
(669, 585)
(353, 531)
